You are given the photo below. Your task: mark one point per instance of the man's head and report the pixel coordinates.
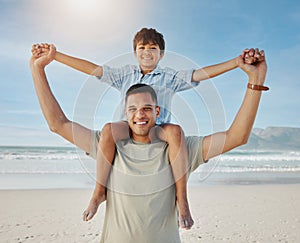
(149, 46)
(141, 111)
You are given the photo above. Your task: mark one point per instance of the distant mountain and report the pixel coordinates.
(274, 138)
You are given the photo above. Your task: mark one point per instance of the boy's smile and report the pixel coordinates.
(148, 56)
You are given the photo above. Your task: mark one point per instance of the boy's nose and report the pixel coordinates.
(147, 51)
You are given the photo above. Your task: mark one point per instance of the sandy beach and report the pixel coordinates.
(222, 213)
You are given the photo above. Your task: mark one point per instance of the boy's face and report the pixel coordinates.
(148, 56)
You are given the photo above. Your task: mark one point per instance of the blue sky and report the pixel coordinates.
(201, 32)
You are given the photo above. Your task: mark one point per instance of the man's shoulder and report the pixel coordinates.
(194, 144)
(194, 148)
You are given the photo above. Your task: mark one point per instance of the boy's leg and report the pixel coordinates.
(97, 198)
(110, 133)
(178, 157)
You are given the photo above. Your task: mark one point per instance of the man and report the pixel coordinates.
(149, 49)
(140, 196)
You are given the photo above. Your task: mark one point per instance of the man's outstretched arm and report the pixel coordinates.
(55, 117)
(241, 127)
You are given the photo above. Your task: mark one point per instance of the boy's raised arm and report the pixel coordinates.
(73, 62)
(55, 117)
(241, 127)
(79, 64)
(214, 70)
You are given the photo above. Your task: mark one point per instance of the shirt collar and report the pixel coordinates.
(157, 70)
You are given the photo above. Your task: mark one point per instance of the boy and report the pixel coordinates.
(149, 49)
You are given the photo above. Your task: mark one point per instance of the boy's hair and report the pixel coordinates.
(147, 36)
(141, 88)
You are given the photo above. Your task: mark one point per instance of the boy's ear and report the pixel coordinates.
(162, 54)
(134, 53)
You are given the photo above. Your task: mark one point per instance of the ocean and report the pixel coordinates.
(68, 167)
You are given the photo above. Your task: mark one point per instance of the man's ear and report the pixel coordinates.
(134, 53)
(157, 111)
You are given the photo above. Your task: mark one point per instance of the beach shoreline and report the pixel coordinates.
(228, 213)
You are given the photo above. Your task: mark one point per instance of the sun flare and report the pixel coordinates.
(81, 6)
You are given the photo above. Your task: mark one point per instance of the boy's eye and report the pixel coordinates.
(144, 47)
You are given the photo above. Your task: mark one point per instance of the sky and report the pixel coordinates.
(198, 33)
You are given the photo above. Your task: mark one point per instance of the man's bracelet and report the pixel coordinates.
(257, 87)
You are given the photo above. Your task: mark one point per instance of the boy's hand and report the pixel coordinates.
(252, 56)
(42, 56)
(38, 50)
(257, 70)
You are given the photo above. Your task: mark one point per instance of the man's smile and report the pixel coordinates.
(140, 122)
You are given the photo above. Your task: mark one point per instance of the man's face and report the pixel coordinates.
(148, 56)
(141, 112)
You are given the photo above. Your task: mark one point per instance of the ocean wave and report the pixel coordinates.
(36, 153)
(249, 169)
(251, 157)
(56, 153)
(14, 156)
(69, 160)
(217, 169)
(241, 170)
(46, 172)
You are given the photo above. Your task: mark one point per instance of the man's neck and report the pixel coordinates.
(141, 139)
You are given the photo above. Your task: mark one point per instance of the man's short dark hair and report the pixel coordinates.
(141, 88)
(147, 36)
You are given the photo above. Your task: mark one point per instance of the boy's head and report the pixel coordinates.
(149, 36)
(149, 46)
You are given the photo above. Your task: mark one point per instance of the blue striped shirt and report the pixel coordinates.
(165, 81)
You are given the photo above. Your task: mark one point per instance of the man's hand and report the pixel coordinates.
(39, 49)
(250, 56)
(258, 67)
(42, 54)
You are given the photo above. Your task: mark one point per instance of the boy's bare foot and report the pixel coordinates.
(89, 213)
(185, 218)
